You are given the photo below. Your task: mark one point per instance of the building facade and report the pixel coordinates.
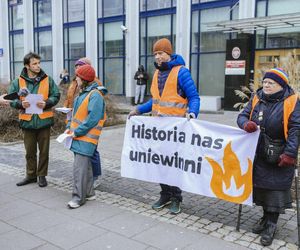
(62, 31)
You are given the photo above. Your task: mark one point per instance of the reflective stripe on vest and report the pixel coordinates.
(43, 90)
(169, 103)
(289, 105)
(82, 112)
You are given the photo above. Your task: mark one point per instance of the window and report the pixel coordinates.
(74, 32)
(111, 45)
(113, 8)
(284, 37)
(16, 38)
(159, 23)
(208, 48)
(155, 4)
(43, 33)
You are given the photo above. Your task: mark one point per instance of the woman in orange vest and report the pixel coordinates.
(85, 127)
(275, 110)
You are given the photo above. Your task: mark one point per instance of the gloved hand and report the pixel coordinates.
(286, 161)
(250, 127)
(190, 116)
(133, 112)
(23, 92)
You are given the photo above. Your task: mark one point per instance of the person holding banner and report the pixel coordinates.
(173, 94)
(275, 109)
(85, 127)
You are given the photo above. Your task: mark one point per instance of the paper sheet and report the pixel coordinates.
(33, 99)
(63, 110)
(66, 138)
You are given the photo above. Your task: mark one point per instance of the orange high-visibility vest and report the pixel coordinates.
(43, 90)
(289, 105)
(169, 103)
(82, 112)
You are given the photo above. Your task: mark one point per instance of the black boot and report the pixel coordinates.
(267, 235)
(26, 181)
(42, 181)
(260, 225)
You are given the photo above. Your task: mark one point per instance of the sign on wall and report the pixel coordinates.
(235, 67)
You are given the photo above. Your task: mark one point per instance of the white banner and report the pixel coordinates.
(199, 157)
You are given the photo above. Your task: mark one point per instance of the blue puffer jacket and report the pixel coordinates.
(96, 109)
(266, 175)
(186, 85)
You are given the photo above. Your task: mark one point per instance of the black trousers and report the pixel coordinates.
(170, 192)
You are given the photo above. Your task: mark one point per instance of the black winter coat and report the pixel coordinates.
(141, 76)
(266, 175)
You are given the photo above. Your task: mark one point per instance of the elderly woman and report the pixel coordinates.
(275, 109)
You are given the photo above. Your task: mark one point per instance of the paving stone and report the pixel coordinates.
(242, 243)
(255, 246)
(216, 234)
(291, 246)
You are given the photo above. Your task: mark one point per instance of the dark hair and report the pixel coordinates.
(27, 57)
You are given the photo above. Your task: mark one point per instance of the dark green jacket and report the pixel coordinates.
(33, 86)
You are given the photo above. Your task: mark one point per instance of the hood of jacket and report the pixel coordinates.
(95, 85)
(141, 68)
(176, 60)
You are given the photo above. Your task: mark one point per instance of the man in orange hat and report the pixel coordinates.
(173, 94)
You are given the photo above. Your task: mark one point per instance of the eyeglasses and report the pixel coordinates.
(269, 82)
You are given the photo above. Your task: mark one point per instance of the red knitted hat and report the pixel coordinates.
(86, 72)
(164, 45)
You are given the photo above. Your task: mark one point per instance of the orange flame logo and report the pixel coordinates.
(231, 176)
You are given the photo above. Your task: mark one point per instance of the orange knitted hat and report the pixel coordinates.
(164, 45)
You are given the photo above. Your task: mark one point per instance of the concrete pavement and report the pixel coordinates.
(38, 218)
(211, 220)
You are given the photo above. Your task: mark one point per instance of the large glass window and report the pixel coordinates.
(16, 38)
(149, 22)
(208, 48)
(43, 33)
(281, 37)
(73, 10)
(212, 79)
(213, 41)
(74, 32)
(113, 8)
(111, 45)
